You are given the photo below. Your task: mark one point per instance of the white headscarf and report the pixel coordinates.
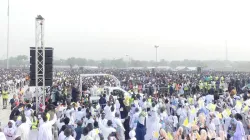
(2, 136)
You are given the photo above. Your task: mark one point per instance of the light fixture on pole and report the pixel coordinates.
(156, 47)
(128, 61)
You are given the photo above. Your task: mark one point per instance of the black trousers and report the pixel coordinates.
(5, 103)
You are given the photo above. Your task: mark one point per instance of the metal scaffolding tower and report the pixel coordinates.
(40, 60)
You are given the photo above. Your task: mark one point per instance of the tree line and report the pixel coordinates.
(23, 61)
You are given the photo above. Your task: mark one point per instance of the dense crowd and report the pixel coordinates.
(163, 105)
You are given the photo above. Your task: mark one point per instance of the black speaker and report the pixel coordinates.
(47, 82)
(48, 66)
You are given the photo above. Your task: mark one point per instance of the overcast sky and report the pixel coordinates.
(184, 29)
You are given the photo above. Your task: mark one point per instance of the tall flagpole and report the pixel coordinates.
(8, 29)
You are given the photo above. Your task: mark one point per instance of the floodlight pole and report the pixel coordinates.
(156, 54)
(8, 34)
(128, 61)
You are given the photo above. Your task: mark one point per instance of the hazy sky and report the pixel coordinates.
(96, 29)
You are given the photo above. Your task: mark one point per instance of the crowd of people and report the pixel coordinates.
(162, 105)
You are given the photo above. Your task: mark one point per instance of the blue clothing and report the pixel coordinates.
(140, 131)
(102, 102)
(171, 90)
(203, 110)
(79, 131)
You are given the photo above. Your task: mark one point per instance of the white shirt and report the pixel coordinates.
(106, 110)
(2, 136)
(104, 122)
(69, 138)
(106, 131)
(134, 120)
(86, 137)
(10, 133)
(45, 130)
(61, 136)
(68, 112)
(24, 131)
(28, 113)
(79, 115)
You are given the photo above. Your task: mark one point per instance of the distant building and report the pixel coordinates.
(164, 68)
(181, 68)
(136, 68)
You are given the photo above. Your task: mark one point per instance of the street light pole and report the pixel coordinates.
(156, 47)
(8, 29)
(127, 60)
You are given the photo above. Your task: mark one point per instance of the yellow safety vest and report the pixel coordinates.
(201, 86)
(34, 124)
(65, 92)
(19, 118)
(186, 88)
(209, 86)
(205, 85)
(222, 78)
(48, 116)
(190, 100)
(5, 95)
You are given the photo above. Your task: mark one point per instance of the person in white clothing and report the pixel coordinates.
(132, 135)
(154, 126)
(106, 130)
(79, 114)
(45, 130)
(10, 131)
(103, 120)
(61, 135)
(86, 134)
(28, 111)
(239, 132)
(134, 119)
(24, 129)
(2, 136)
(67, 133)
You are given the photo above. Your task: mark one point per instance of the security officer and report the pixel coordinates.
(5, 97)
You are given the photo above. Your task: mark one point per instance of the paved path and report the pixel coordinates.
(5, 113)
